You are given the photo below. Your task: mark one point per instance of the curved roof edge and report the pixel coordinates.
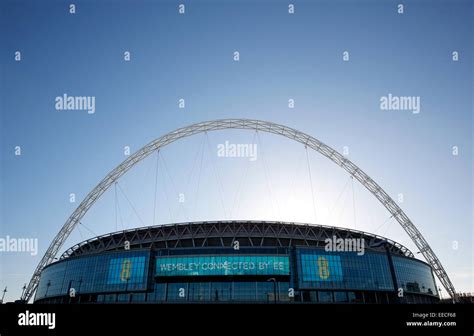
(115, 240)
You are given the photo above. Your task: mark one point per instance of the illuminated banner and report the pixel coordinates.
(321, 267)
(126, 270)
(222, 265)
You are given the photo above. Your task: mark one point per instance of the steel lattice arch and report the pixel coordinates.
(248, 124)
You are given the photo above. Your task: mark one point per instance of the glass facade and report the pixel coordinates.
(266, 275)
(318, 269)
(108, 272)
(414, 276)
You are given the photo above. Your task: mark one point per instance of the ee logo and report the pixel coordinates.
(126, 270)
(323, 268)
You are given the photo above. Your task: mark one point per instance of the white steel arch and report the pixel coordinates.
(249, 124)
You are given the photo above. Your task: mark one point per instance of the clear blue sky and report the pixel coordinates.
(282, 56)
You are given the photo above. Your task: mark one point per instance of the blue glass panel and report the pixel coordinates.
(319, 269)
(95, 274)
(414, 276)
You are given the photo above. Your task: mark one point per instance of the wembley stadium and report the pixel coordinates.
(238, 261)
(235, 262)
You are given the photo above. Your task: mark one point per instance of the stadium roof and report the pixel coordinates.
(224, 233)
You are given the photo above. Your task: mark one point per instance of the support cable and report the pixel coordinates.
(163, 177)
(93, 233)
(190, 174)
(143, 184)
(115, 206)
(311, 184)
(353, 202)
(236, 203)
(118, 207)
(196, 157)
(387, 220)
(173, 185)
(216, 174)
(387, 228)
(344, 203)
(131, 204)
(290, 195)
(196, 197)
(338, 197)
(156, 185)
(80, 232)
(267, 178)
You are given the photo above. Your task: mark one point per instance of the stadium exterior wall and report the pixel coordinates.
(200, 263)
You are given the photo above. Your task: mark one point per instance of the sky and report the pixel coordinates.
(282, 56)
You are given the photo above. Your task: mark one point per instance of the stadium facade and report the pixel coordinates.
(236, 262)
